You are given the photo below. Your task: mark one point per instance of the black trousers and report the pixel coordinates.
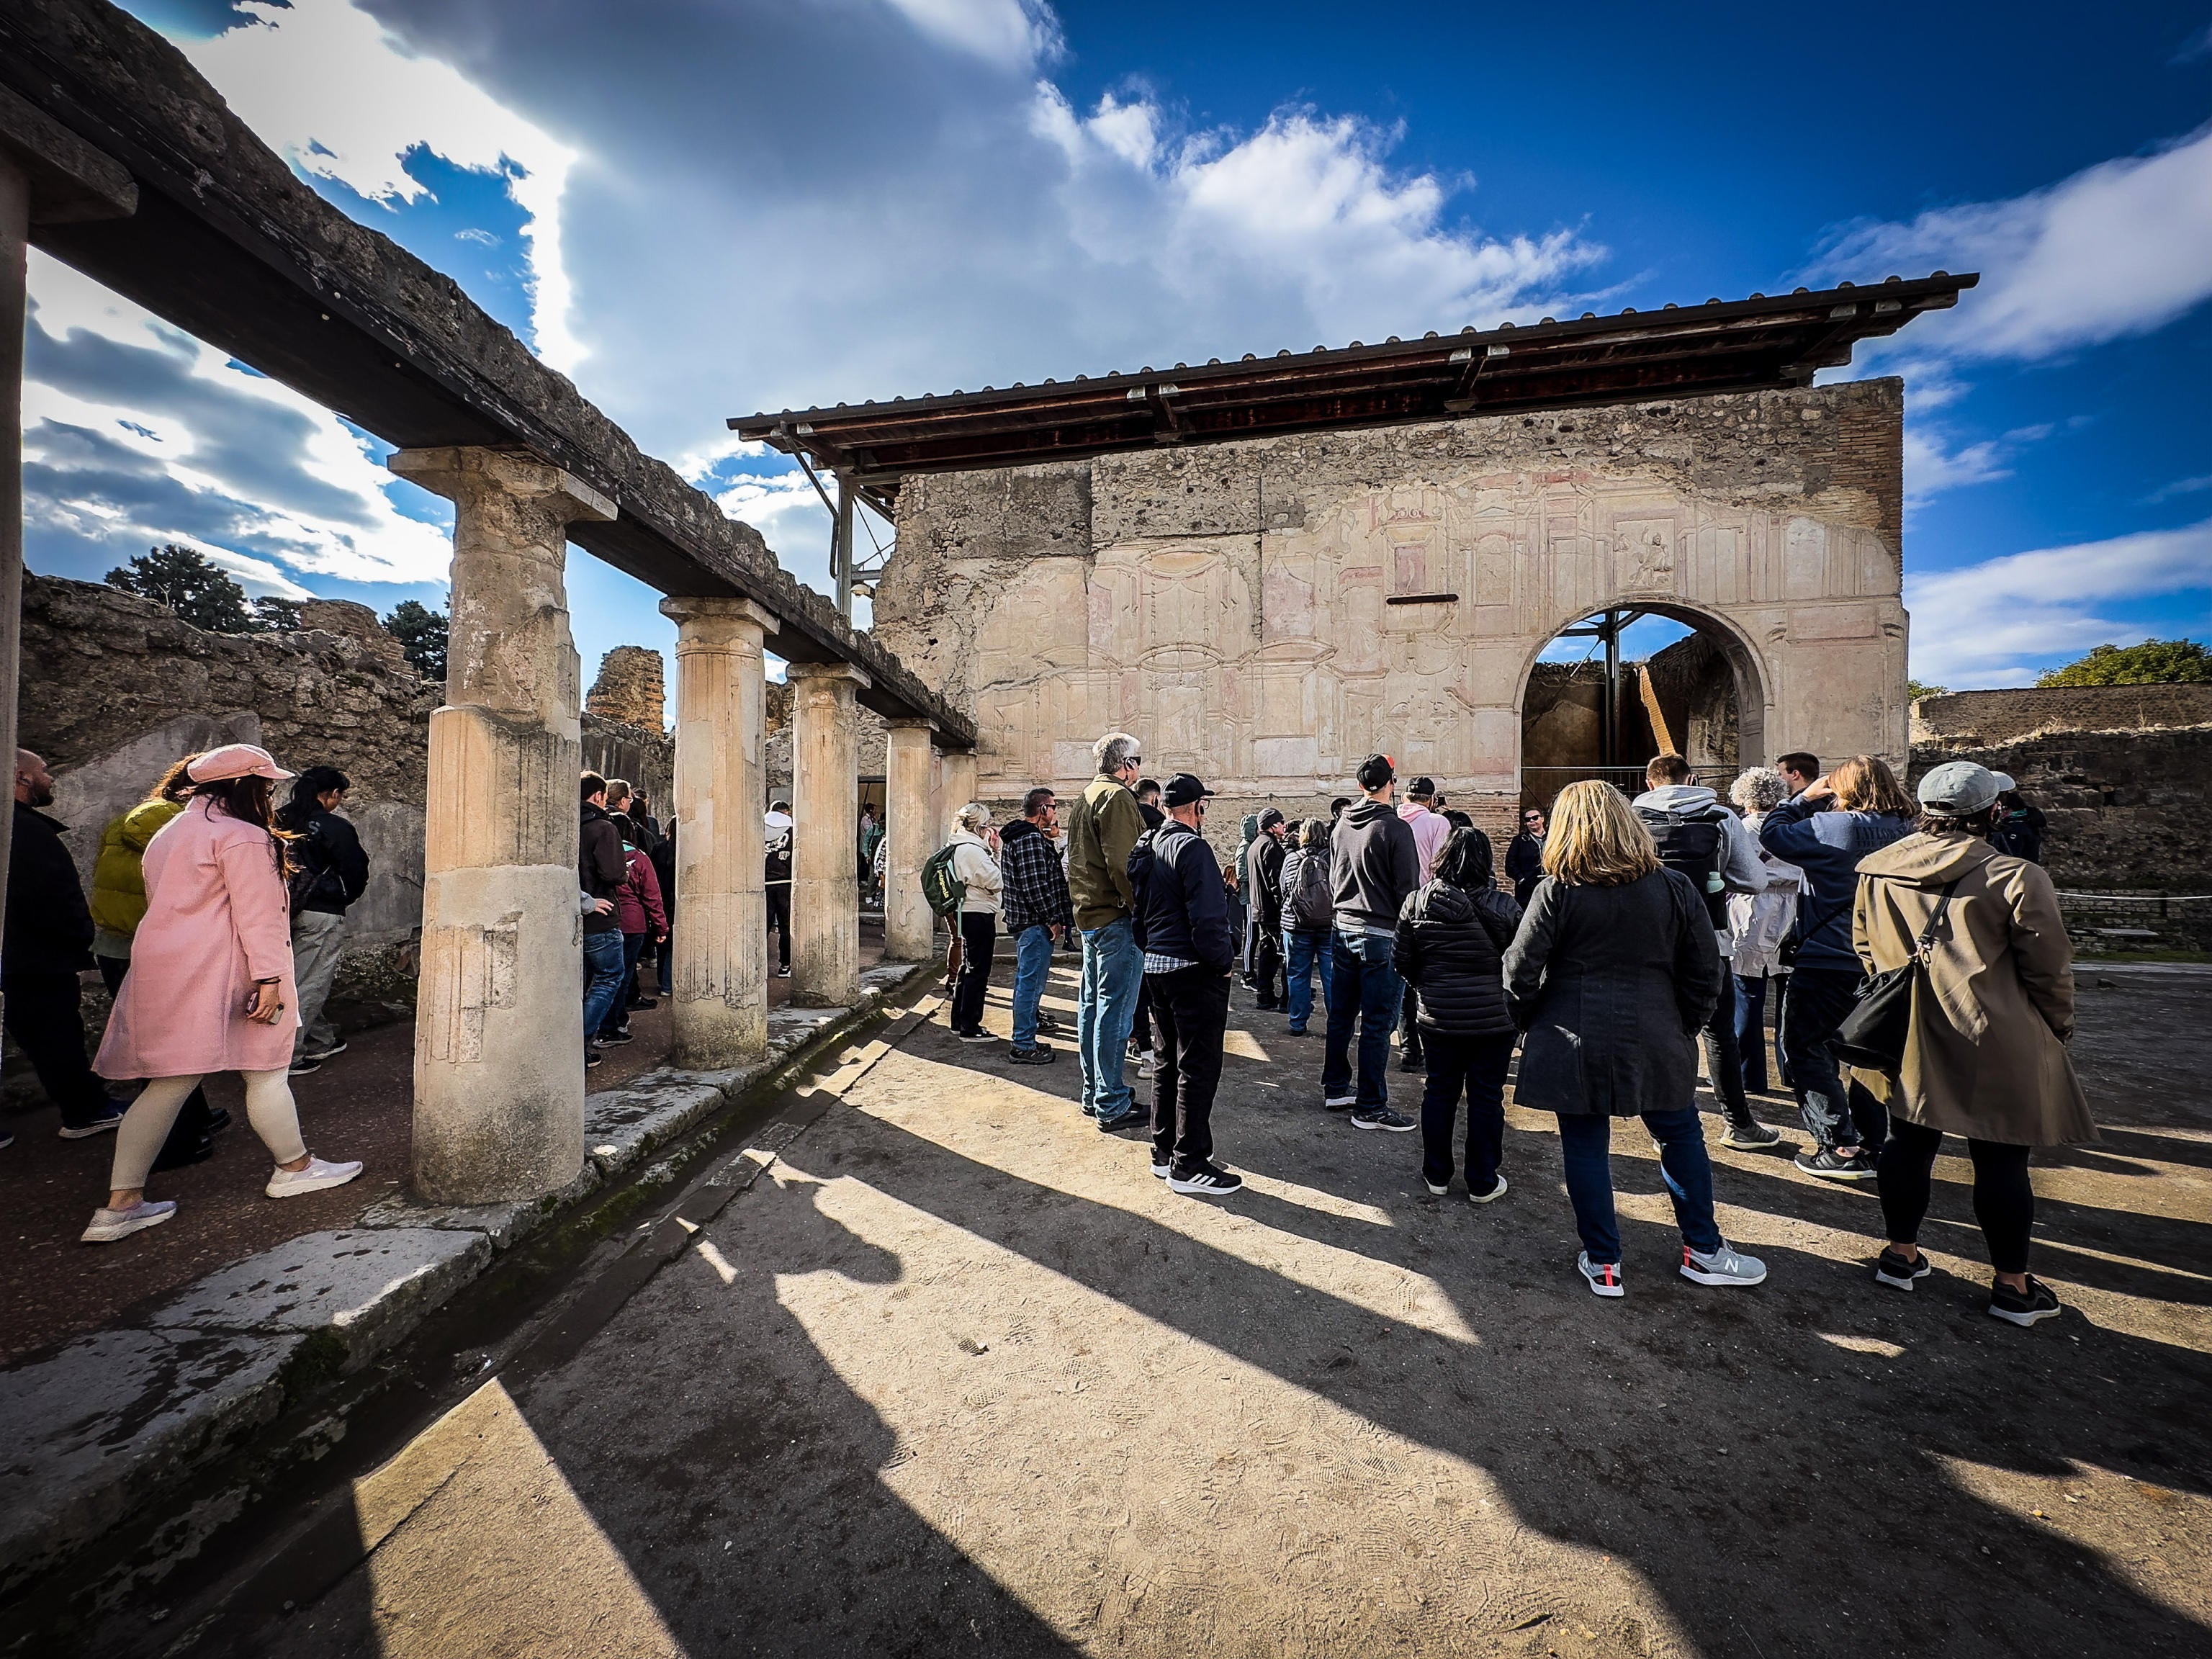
(1409, 1035)
(1191, 1008)
(194, 1116)
(1141, 1027)
(44, 1018)
(2004, 1198)
(1475, 1067)
(1723, 1058)
(979, 943)
(779, 920)
(1268, 979)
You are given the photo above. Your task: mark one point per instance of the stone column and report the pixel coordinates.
(825, 810)
(959, 787)
(721, 914)
(909, 927)
(499, 1025)
(15, 243)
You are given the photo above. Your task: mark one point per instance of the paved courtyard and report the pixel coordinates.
(957, 1375)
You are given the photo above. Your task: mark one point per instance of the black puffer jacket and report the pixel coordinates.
(1450, 949)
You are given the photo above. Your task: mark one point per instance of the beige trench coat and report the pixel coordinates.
(1987, 1053)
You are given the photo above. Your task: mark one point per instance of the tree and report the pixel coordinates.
(272, 616)
(191, 584)
(420, 632)
(2154, 662)
(1914, 690)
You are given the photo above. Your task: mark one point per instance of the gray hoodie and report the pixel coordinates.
(1741, 869)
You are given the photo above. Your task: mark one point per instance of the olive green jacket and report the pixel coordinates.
(1101, 832)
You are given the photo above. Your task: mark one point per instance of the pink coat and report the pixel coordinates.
(1430, 831)
(637, 901)
(217, 919)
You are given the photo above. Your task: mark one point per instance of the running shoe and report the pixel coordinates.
(108, 1225)
(319, 1174)
(1207, 1181)
(1750, 1136)
(1831, 1165)
(1724, 1265)
(2038, 1301)
(1893, 1270)
(1603, 1277)
(1382, 1117)
(1497, 1190)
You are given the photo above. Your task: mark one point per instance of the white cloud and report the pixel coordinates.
(2180, 487)
(356, 126)
(2121, 248)
(1999, 622)
(1006, 33)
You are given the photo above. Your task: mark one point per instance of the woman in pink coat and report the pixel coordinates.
(209, 988)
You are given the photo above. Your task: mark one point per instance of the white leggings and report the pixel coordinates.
(138, 1138)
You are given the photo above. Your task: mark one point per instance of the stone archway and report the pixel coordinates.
(1707, 695)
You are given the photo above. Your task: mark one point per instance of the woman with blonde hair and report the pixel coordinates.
(210, 988)
(976, 863)
(1850, 814)
(1612, 976)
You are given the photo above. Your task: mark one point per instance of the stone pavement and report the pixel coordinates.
(959, 1376)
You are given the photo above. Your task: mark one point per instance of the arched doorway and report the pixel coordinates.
(1616, 686)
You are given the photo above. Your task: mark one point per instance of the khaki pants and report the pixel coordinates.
(316, 937)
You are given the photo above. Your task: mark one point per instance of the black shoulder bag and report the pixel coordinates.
(1874, 1034)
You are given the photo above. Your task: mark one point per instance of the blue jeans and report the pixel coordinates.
(1585, 1143)
(604, 971)
(1365, 989)
(1305, 952)
(1032, 955)
(1113, 978)
(619, 1015)
(1751, 1031)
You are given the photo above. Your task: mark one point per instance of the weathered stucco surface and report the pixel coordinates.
(1232, 605)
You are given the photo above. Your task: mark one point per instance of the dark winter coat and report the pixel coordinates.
(1612, 985)
(1374, 864)
(49, 925)
(2020, 834)
(601, 868)
(1182, 904)
(1450, 949)
(1827, 846)
(330, 871)
(664, 869)
(1524, 865)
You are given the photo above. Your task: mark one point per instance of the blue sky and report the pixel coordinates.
(697, 210)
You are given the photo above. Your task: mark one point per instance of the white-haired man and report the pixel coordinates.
(1103, 827)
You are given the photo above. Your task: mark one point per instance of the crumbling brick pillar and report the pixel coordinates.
(720, 934)
(909, 927)
(825, 803)
(499, 1027)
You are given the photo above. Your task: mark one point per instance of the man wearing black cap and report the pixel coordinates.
(1182, 922)
(1373, 865)
(1263, 935)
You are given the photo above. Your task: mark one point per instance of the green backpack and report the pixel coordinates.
(940, 888)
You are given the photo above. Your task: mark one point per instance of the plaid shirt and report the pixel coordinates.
(1035, 890)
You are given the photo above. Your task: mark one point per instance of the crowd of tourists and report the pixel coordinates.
(1912, 949)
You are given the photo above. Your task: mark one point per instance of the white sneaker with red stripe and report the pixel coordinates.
(1604, 1277)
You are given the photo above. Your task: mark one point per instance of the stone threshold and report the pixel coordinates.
(111, 1420)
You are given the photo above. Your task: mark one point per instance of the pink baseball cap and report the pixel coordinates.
(235, 760)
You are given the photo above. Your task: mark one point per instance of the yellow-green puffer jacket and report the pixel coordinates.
(118, 882)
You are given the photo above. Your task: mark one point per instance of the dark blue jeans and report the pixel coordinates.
(1585, 1145)
(619, 1015)
(1751, 1031)
(1836, 1114)
(1478, 1066)
(603, 978)
(1306, 952)
(1365, 990)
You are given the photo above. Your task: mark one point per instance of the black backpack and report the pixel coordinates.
(1694, 846)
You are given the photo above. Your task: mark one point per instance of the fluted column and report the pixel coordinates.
(908, 926)
(499, 1025)
(825, 810)
(721, 931)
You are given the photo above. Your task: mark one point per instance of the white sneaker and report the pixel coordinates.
(1435, 1191)
(290, 1184)
(108, 1225)
(1162, 1171)
(1725, 1266)
(1149, 1066)
(1492, 1195)
(1604, 1277)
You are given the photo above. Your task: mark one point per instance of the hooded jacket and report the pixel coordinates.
(1986, 1054)
(1758, 922)
(49, 929)
(1827, 846)
(1450, 947)
(979, 872)
(1182, 905)
(1430, 831)
(601, 867)
(1101, 828)
(637, 901)
(118, 875)
(1374, 866)
(1035, 893)
(1740, 870)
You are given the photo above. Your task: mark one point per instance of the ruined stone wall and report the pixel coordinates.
(1266, 612)
(115, 688)
(628, 691)
(2124, 773)
(776, 771)
(1688, 694)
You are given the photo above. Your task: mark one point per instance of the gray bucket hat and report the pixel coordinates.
(1959, 789)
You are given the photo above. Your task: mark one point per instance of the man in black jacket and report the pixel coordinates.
(47, 944)
(331, 872)
(1524, 857)
(1263, 927)
(1181, 923)
(1374, 864)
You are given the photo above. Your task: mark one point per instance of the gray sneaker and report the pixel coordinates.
(1750, 1136)
(108, 1225)
(1725, 1266)
(1381, 1117)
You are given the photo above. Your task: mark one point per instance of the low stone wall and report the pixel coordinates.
(115, 688)
(2121, 772)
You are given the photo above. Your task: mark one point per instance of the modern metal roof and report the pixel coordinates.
(1741, 346)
